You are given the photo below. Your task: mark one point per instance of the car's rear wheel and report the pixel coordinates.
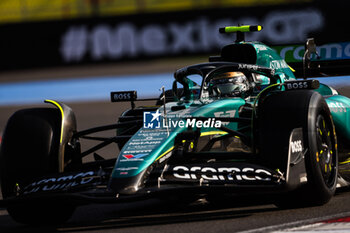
(280, 114)
(30, 150)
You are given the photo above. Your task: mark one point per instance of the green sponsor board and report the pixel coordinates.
(332, 51)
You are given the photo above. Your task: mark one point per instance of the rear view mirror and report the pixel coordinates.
(310, 48)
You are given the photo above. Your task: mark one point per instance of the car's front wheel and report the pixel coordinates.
(29, 150)
(282, 112)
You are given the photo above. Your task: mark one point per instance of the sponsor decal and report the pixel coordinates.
(296, 85)
(221, 173)
(126, 168)
(229, 113)
(248, 66)
(337, 107)
(296, 157)
(119, 96)
(306, 84)
(297, 146)
(132, 157)
(278, 64)
(137, 151)
(60, 183)
(143, 142)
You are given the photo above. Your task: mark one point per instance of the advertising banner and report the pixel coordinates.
(157, 35)
(326, 52)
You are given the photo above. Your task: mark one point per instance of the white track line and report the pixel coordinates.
(284, 226)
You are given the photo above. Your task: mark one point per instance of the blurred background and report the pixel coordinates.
(39, 33)
(78, 51)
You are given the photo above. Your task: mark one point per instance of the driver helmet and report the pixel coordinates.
(230, 84)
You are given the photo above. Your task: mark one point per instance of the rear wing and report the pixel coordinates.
(332, 59)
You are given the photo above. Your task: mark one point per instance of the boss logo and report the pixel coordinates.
(123, 96)
(297, 85)
(296, 146)
(226, 173)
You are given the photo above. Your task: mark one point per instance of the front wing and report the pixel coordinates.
(92, 185)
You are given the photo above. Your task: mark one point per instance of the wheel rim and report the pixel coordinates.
(325, 155)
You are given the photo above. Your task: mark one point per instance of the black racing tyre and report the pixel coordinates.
(30, 150)
(279, 114)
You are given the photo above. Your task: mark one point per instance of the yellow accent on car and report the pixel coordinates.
(62, 114)
(192, 145)
(213, 133)
(243, 28)
(166, 152)
(293, 70)
(346, 161)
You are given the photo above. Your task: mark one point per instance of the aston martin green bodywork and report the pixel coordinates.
(150, 145)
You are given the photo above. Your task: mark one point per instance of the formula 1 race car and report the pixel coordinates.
(248, 126)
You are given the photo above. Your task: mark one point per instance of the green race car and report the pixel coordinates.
(239, 124)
